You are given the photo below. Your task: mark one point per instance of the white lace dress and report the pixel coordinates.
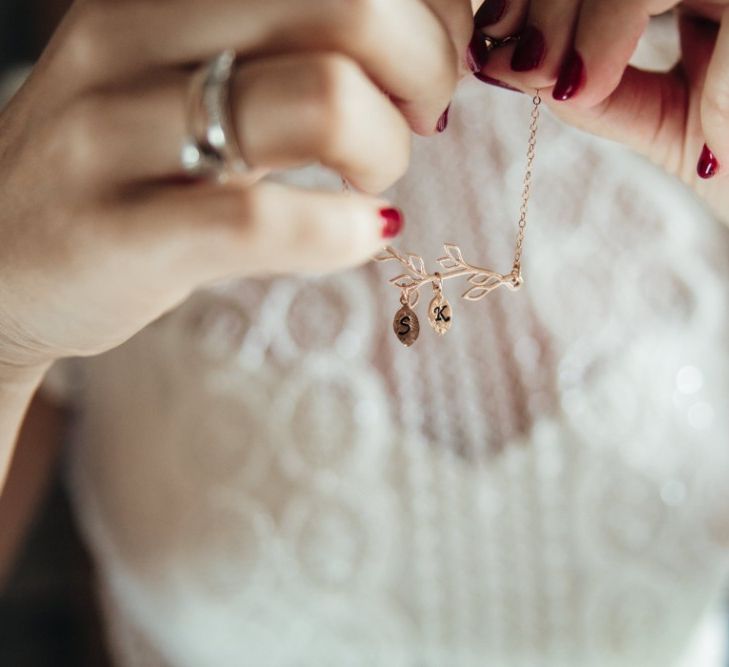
(266, 477)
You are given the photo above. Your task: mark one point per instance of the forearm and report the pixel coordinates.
(17, 387)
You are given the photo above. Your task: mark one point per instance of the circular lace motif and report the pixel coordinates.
(324, 315)
(340, 542)
(311, 441)
(229, 446)
(233, 538)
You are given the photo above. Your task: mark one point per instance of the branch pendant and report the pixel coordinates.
(480, 283)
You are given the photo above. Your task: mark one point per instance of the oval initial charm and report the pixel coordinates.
(406, 326)
(439, 314)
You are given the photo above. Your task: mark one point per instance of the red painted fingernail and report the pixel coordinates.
(443, 120)
(393, 222)
(495, 82)
(708, 164)
(489, 13)
(529, 51)
(571, 77)
(477, 53)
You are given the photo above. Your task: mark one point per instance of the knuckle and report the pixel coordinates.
(336, 89)
(238, 213)
(81, 130)
(222, 233)
(86, 42)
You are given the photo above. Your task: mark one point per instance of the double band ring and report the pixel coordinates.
(211, 148)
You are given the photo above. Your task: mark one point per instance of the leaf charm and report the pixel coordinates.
(439, 314)
(406, 326)
(483, 285)
(403, 281)
(416, 263)
(453, 257)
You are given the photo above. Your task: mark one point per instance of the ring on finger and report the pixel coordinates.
(492, 43)
(212, 148)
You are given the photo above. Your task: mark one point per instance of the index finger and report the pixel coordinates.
(403, 46)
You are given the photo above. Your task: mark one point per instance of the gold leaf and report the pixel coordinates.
(447, 263)
(384, 256)
(478, 293)
(452, 250)
(417, 264)
(403, 281)
(485, 279)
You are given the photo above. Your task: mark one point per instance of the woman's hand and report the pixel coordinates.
(578, 50)
(99, 234)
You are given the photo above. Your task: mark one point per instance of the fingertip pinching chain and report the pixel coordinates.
(480, 281)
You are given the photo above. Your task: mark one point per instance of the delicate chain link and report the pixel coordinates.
(526, 192)
(531, 152)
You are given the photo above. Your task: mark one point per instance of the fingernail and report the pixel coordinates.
(443, 120)
(477, 53)
(708, 164)
(529, 51)
(571, 77)
(489, 13)
(393, 222)
(495, 82)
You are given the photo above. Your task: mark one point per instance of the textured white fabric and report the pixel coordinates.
(267, 478)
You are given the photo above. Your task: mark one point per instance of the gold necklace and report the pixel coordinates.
(481, 282)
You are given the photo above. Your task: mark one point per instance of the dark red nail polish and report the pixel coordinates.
(708, 164)
(529, 51)
(393, 222)
(495, 82)
(489, 13)
(443, 120)
(571, 77)
(477, 53)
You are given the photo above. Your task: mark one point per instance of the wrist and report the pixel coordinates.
(18, 385)
(22, 363)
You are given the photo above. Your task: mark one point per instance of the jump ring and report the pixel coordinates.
(438, 283)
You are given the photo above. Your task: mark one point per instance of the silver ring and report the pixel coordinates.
(211, 148)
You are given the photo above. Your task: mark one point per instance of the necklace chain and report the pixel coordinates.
(526, 191)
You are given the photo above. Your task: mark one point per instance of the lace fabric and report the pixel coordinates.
(268, 478)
